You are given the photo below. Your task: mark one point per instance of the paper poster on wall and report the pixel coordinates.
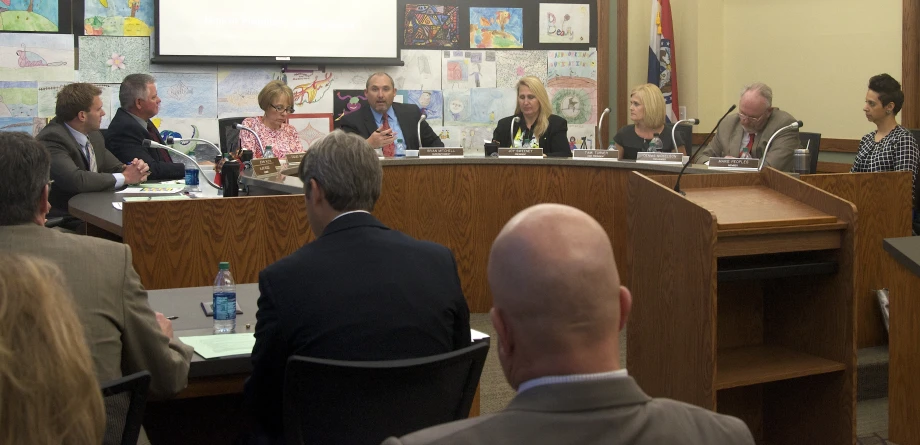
(118, 18)
(47, 97)
(110, 59)
(35, 57)
(488, 105)
(565, 23)
(456, 107)
(422, 70)
(21, 124)
(575, 105)
(18, 99)
(311, 127)
(29, 15)
(582, 137)
(187, 95)
(238, 89)
(109, 102)
(431, 26)
(346, 102)
(468, 69)
(449, 135)
(429, 102)
(571, 64)
(496, 28)
(473, 139)
(312, 90)
(183, 128)
(511, 66)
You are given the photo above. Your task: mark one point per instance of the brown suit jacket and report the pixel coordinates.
(727, 142)
(607, 412)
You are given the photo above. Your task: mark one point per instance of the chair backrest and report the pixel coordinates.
(342, 402)
(684, 134)
(813, 142)
(124, 400)
(229, 136)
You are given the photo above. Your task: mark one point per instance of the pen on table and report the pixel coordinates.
(172, 317)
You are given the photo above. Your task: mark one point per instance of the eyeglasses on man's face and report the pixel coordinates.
(753, 119)
(281, 109)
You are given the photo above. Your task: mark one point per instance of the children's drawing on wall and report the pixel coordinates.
(109, 59)
(29, 15)
(34, 57)
(429, 102)
(469, 69)
(474, 138)
(187, 95)
(487, 105)
(312, 90)
(582, 137)
(347, 102)
(118, 18)
(575, 105)
(565, 23)
(431, 26)
(456, 106)
(422, 70)
(511, 66)
(238, 89)
(450, 136)
(47, 97)
(311, 127)
(194, 128)
(18, 99)
(572, 64)
(496, 28)
(21, 124)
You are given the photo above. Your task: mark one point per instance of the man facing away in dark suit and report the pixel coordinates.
(124, 335)
(80, 163)
(558, 344)
(383, 122)
(360, 291)
(131, 125)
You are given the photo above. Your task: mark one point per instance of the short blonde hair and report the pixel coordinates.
(272, 90)
(536, 87)
(48, 390)
(651, 98)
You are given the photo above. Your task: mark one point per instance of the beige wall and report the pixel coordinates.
(816, 54)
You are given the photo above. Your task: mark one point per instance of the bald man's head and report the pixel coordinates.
(554, 279)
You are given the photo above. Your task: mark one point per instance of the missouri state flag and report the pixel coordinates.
(662, 62)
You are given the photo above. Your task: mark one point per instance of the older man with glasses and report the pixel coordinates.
(745, 134)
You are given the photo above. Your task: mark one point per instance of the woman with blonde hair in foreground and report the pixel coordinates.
(48, 390)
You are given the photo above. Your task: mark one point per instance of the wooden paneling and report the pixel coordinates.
(840, 145)
(622, 61)
(834, 167)
(904, 386)
(883, 202)
(910, 63)
(603, 61)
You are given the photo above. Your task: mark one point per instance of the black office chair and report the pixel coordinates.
(124, 400)
(684, 134)
(813, 142)
(341, 402)
(229, 136)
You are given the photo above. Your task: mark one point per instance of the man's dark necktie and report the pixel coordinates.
(154, 136)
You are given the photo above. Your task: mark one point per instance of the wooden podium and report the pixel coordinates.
(743, 301)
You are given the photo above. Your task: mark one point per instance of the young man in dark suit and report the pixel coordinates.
(360, 291)
(131, 125)
(383, 122)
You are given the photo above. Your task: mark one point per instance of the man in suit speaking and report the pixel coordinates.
(383, 122)
(359, 291)
(558, 344)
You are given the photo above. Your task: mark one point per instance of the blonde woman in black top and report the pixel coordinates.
(647, 111)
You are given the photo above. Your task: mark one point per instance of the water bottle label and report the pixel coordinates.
(225, 305)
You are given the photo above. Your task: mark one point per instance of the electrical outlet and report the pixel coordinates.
(683, 112)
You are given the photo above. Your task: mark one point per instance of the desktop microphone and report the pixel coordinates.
(418, 129)
(513, 121)
(689, 143)
(600, 125)
(258, 139)
(763, 160)
(149, 143)
(705, 141)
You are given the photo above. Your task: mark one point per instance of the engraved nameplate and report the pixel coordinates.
(595, 154)
(520, 152)
(659, 157)
(734, 163)
(294, 158)
(265, 167)
(440, 152)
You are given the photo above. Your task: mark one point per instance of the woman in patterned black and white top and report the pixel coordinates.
(890, 147)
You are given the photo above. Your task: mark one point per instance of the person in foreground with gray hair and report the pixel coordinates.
(558, 344)
(360, 291)
(746, 133)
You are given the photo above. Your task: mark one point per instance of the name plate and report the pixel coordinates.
(440, 152)
(266, 167)
(659, 157)
(595, 154)
(734, 163)
(294, 158)
(519, 152)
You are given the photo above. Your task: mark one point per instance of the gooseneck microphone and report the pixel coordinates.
(513, 121)
(763, 160)
(703, 145)
(600, 124)
(258, 139)
(418, 129)
(149, 143)
(689, 143)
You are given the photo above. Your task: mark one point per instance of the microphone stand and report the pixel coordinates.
(258, 139)
(690, 142)
(763, 160)
(515, 119)
(149, 143)
(705, 141)
(600, 125)
(418, 130)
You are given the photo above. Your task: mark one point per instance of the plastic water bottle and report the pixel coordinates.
(268, 152)
(655, 144)
(224, 301)
(400, 148)
(612, 146)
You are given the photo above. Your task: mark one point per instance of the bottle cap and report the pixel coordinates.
(224, 265)
(399, 140)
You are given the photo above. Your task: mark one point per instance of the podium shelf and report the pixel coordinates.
(756, 207)
(752, 365)
(764, 267)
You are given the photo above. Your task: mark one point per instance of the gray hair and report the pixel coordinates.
(134, 87)
(25, 168)
(379, 73)
(760, 88)
(346, 168)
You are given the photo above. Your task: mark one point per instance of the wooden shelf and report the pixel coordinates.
(751, 365)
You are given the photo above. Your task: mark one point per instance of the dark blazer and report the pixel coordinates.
(554, 141)
(358, 292)
(608, 412)
(362, 122)
(727, 141)
(70, 169)
(125, 138)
